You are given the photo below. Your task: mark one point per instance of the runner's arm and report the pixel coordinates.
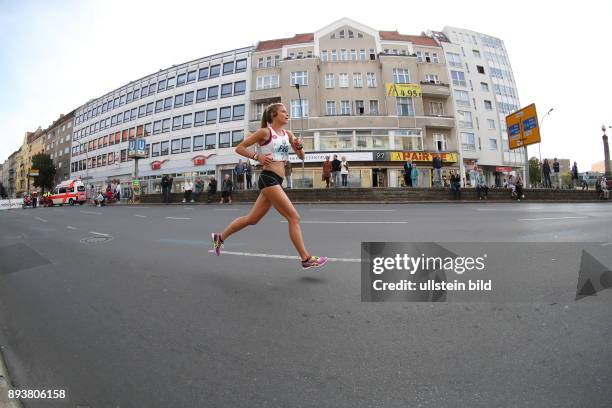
(259, 136)
(296, 144)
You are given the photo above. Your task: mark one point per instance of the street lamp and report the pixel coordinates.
(607, 165)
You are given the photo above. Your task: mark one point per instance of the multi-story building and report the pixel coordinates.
(57, 139)
(484, 92)
(191, 115)
(343, 106)
(15, 170)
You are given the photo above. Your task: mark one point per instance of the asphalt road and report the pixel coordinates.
(126, 307)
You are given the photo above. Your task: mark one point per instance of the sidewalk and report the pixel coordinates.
(5, 385)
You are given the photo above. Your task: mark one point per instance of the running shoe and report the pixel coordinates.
(314, 262)
(217, 243)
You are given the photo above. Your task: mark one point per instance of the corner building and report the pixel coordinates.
(343, 108)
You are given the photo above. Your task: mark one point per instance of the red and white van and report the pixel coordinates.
(69, 192)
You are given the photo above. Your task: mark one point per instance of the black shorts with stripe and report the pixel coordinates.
(269, 178)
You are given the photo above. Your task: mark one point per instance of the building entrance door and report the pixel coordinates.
(379, 178)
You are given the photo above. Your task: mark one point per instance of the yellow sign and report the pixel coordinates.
(404, 90)
(422, 156)
(523, 128)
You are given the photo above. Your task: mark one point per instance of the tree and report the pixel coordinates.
(535, 173)
(46, 171)
(3, 193)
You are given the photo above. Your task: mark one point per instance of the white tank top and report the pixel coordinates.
(277, 146)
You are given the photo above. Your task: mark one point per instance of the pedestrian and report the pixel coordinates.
(327, 169)
(188, 187)
(414, 176)
(170, 182)
(273, 143)
(585, 181)
(455, 185)
(288, 174)
(546, 174)
(239, 172)
(226, 189)
(344, 171)
(481, 186)
(248, 174)
(518, 183)
(165, 181)
(511, 185)
(436, 164)
(118, 192)
(602, 188)
(198, 187)
(473, 176)
(575, 175)
(408, 173)
(556, 169)
(34, 199)
(336, 169)
(212, 189)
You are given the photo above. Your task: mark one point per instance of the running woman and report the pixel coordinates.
(272, 152)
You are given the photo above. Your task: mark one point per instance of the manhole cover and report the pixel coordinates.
(95, 240)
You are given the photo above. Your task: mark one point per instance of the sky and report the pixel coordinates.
(57, 55)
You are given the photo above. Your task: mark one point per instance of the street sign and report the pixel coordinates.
(404, 90)
(523, 128)
(136, 148)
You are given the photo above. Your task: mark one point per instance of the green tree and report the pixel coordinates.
(566, 180)
(535, 174)
(46, 171)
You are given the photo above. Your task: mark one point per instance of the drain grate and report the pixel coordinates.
(95, 240)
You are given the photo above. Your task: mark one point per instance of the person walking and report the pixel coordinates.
(226, 189)
(188, 187)
(273, 143)
(336, 169)
(575, 177)
(546, 173)
(344, 171)
(288, 174)
(248, 174)
(165, 182)
(239, 172)
(327, 170)
(436, 164)
(414, 176)
(408, 173)
(198, 187)
(556, 169)
(212, 189)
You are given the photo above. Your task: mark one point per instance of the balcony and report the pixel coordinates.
(261, 95)
(434, 121)
(439, 90)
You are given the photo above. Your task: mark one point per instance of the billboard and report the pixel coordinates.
(404, 90)
(136, 148)
(523, 128)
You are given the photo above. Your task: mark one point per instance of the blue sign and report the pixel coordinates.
(514, 130)
(141, 144)
(530, 123)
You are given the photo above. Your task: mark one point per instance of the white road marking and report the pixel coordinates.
(91, 212)
(551, 218)
(352, 222)
(140, 216)
(228, 209)
(330, 210)
(99, 233)
(40, 219)
(70, 227)
(606, 244)
(178, 218)
(282, 256)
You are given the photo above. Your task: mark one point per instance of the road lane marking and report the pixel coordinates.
(70, 227)
(228, 209)
(551, 218)
(140, 216)
(330, 210)
(99, 233)
(91, 212)
(351, 222)
(40, 219)
(606, 244)
(282, 256)
(178, 218)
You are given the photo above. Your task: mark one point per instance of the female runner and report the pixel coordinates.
(272, 152)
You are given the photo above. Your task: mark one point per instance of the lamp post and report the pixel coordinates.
(607, 164)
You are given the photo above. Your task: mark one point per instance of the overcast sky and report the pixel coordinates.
(56, 55)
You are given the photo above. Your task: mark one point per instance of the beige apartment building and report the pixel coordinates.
(57, 140)
(343, 108)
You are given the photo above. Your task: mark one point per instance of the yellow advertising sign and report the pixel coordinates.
(404, 90)
(422, 156)
(523, 128)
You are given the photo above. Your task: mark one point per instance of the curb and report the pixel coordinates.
(488, 202)
(5, 385)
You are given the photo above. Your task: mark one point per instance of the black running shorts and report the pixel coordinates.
(268, 179)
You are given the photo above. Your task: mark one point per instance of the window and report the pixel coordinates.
(166, 125)
(465, 119)
(492, 144)
(480, 69)
(371, 77)
(357, 80)
(267, 82)
(198, 143)
(213, 92)
(203, 73)
(187, 120)
(201, 95)
(136, 95)
(454, 60)
(211, 116)
(121, 102)
(181, 79)
(401, 76)
(214, 71)
(191, 76)
(237, 136)
(362, 54)
(419, 55)
(123, 155)
(491, 123)
(226, 90)
(147, 129)
(405, 107)
(130, 96)
(177, 122)
(164, 148)
(436, 108)
(343, 55)
(238, 112)
(329, 81)
(188, 98)
(324, 56)
(299, 77)
(159, 105)
(199, 118)
(298, 111)
(157, 127)
(152, 88)
(488, 105)
(458, 78)
(225, 114)
(373, 107)
(353, 55)
(345, 107)
(334, 55)
(434, 58)
(155, 149)
(484, 86)
(168, 103)
(176, 146)
(124, 137)
(331, 108)
(241, 65)
(211, 141)
(161, 85)
(476, 53)
(359, 107)
(144, 91)
(239, 88)
(432, 78)
(462, 98)
(440, 142)
(178, 100)
(170, 82)
(468, 141)
(343, 80)
(224, 139)
(228, 68)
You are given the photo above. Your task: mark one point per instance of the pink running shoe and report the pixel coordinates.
(217, 243)
(314, 262)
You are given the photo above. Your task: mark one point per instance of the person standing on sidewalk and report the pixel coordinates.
(188, 187)
(327, 169)
(408, 173)
(455, 185)
(481, 186)
(239, 172)
(436, 164)
(226, 189)
(165, 181)
(575, 177)
(546, 173)
(198, 187)
(344, 172)
(212, 189)
(248, 174)
(556, 169)
(336, 168)
(414, 176)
